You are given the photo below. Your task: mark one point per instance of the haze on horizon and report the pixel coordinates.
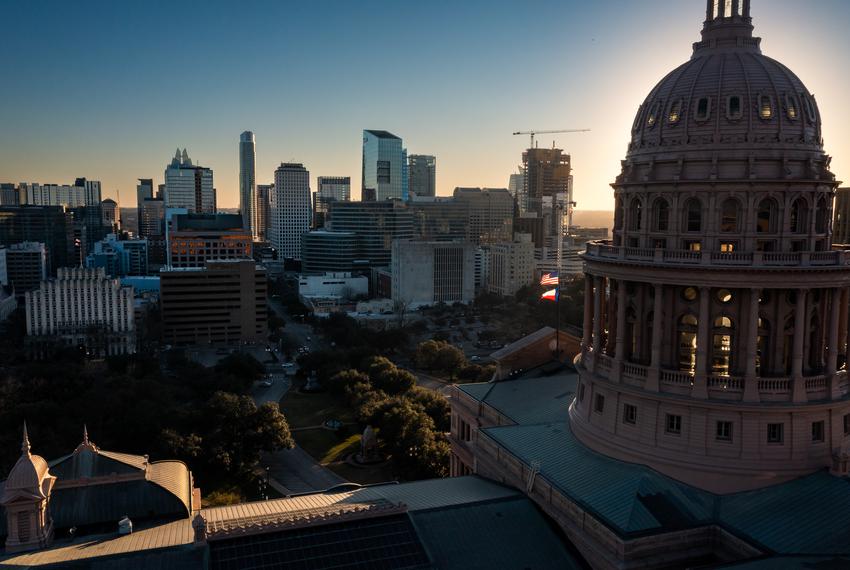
(108, 91)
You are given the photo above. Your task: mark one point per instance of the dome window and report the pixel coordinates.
(652, 118)
(810, 108)
(734, 108)
(675, 114)
(765, 107)
(703, 109)
(791, 107)
(638, 117)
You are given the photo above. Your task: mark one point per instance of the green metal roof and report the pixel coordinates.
(793, 563)
(528, 400)
(506, 533)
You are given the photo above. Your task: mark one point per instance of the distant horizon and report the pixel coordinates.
(114, 104)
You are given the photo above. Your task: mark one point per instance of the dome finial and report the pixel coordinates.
(25, 444)
(85, 435)
(728, 25)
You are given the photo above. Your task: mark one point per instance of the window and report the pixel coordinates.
(629, 414)
(693, 245)
(721, 350)
(724, 296)
(675, 114)
(799, 216)
(724, 431)
(690, 294)
(775, 433)
(791, 107)
(729, 216)
(728, 247)
(581, 393)
(652, 118)
(674, 424)
(811, 113)
(846, 424)
(659, 244)
(820, 217)
(766, 218)
(765, 107)
(599, 404)
(636, 215)
(703, 109)
(693, 220)
(662, 215)
(734, 109)
(818, 432)
(383, 171)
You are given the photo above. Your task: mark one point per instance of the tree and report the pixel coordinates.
(435, 405)
(340, 382)
(408, 434)
(440, 356)
(386, 376)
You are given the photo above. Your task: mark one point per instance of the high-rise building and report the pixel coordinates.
(223, 302)
(82, 193)
(841, 218)
(248, 182)
(510, 266)
(88, 228)
(23, 266)
(119, 257)
(264, 192)
(329, 189)
(195, 239)
(110, 215)
(376, 225)
(290, 209)
(476, 215)
(427, 273)
(50, 225)
(422, 175)
(189, 186)
(405, 175)
(547, 187)
(383, 166)
(81, 307)
(323, 251)
(9, 194)
(144, 191)
(516, 186)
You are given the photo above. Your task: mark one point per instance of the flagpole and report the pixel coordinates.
(558, 322)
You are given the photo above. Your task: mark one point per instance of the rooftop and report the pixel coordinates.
(382, 134)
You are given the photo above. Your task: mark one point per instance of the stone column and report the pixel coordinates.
(832, 338)
(746, 8)
(798, 383)
(620, 347)
(709, 10)
(700, 389)
(736, 5)
(653, 377)
(842, 324)
(751, 389)
(597, 319)
(587, 336)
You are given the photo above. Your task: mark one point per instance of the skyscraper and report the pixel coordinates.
(189, 186)
(264, 192)
(248, 182)
(422, 174)
(548, 186)
(383, 166)
(330, 189)
(290, 209)
(144, 190)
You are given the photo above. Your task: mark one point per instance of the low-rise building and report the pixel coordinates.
(83, 308)
(511, 266)
(341, 286)
(224, 302)
(428, 273)
(23, 266)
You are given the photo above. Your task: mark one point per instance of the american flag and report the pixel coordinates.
(549, 278)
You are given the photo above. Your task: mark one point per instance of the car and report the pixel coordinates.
(287, 365)
(267, 383)
(309, 339)
(475, 358)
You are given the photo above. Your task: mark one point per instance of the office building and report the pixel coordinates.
(841, 218)
(439, 218)
(144, 191)
(429, 273)
(376, 225)
(119, 257)
(9, 195)
(189, 186)
(110, 215)
(248, 182)
(290, 210)
(422, 175)
(329, 189)
(548, 188)
(195, 239)
(88, 228)
(264, 192)
(81, 308)
(340, 286)
(383, 166)
(50, 225)
(23, 266)
(82, 193)
(221, 303)
(323, 251)
(516, 186)
(152, 218)
(479, 216)
(510, 266)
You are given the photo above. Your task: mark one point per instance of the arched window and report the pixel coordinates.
(721, 347)
(631, 333)
(788, 345)
(729, 214)
(687, 330)
(765, 107)
(652, 118)
(703, 109)
(763, 348)
(618, 215)
(734, 108)
(816, 360)
(675, 114)
(820, 217)
(791, 107)
(661, 215)
(766, 217)
(693, 215)
(799, 216)
(636, 215)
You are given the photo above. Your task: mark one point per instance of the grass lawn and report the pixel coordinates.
(330, 450)
(363, 475)
(307, 410)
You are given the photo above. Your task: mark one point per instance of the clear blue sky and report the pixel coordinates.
(107, 90)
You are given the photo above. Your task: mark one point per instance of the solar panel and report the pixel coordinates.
(385, 543)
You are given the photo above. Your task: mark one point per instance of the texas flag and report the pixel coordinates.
(550, 296)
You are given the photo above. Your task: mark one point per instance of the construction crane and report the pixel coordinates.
(533, 133)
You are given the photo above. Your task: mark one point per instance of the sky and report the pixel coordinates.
(108, 90)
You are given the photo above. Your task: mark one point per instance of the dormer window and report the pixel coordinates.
(675, 114)
(810, 108)
(791, 107)
(652, 118)
(703, 109)
(765, 107)
(734, 108)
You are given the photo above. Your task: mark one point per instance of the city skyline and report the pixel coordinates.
(487, 74)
